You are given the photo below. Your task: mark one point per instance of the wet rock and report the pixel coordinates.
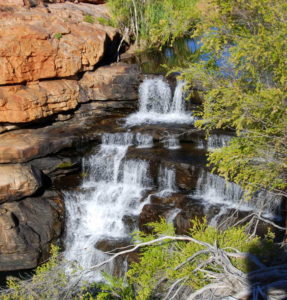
(104, 108)
(182, 222)
(177, 200)
(130, 222)
(112, 244)
(18, 181)
(152, 213)
(27, 228)
(180, 206)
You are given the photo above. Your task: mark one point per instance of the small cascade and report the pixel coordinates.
(166, 180)
(113, 189)
(214, 190)
(216, 141)
(178, 104)
(144, 140)
(172, 143)
(157, 105)
(172, 215)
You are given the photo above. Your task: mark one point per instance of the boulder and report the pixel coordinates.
(39, 100)
(29, 144)
(18, 181)
(27, 228)
(21, 104)
(118, 81)
(37, 44)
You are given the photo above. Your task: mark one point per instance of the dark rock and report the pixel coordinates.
(27, 228)
(111, 244)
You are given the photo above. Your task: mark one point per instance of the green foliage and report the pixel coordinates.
(115, 288)
(89, 19)
(244, 77)
(105, 21)
(154, 22)
(58, 35)
(46, 283)
(165, 260)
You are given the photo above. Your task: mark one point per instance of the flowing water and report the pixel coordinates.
(115, 187)
(214, 190)
(158, 105)
(112, 189)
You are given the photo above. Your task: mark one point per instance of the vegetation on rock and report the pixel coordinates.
(243, 75)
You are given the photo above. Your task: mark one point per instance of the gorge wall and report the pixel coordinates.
(58, 83)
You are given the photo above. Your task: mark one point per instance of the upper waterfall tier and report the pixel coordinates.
(158, 105)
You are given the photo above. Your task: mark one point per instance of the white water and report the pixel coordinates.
(166, 180)
(112, 190)
(213, 189)
(114, 187)
(214, 141)
(172, 143)
(144, 140)
(157, 105)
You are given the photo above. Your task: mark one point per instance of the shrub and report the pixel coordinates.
(58, 35)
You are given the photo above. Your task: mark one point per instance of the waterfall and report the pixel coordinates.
(111, 190)
(144, 140)
(157, 105)
(216, 141)
(166, 180)
(213, 189)
(172, 143)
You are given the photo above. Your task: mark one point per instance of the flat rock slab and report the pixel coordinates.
(24, 145)
(17, 181)
(27, 144)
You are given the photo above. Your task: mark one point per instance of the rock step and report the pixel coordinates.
(17, 181)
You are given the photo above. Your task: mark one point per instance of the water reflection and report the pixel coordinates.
(181, 54)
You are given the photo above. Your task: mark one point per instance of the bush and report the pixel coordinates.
(154, 22)
(58, 36)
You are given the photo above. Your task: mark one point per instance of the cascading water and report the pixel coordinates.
(158, 106)
(112, 190)
(172, 143)
(116, 188)
(214, 141)
(144, 140)
(213, 189)
(166, 180)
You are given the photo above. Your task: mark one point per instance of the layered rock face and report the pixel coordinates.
(57, 79)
